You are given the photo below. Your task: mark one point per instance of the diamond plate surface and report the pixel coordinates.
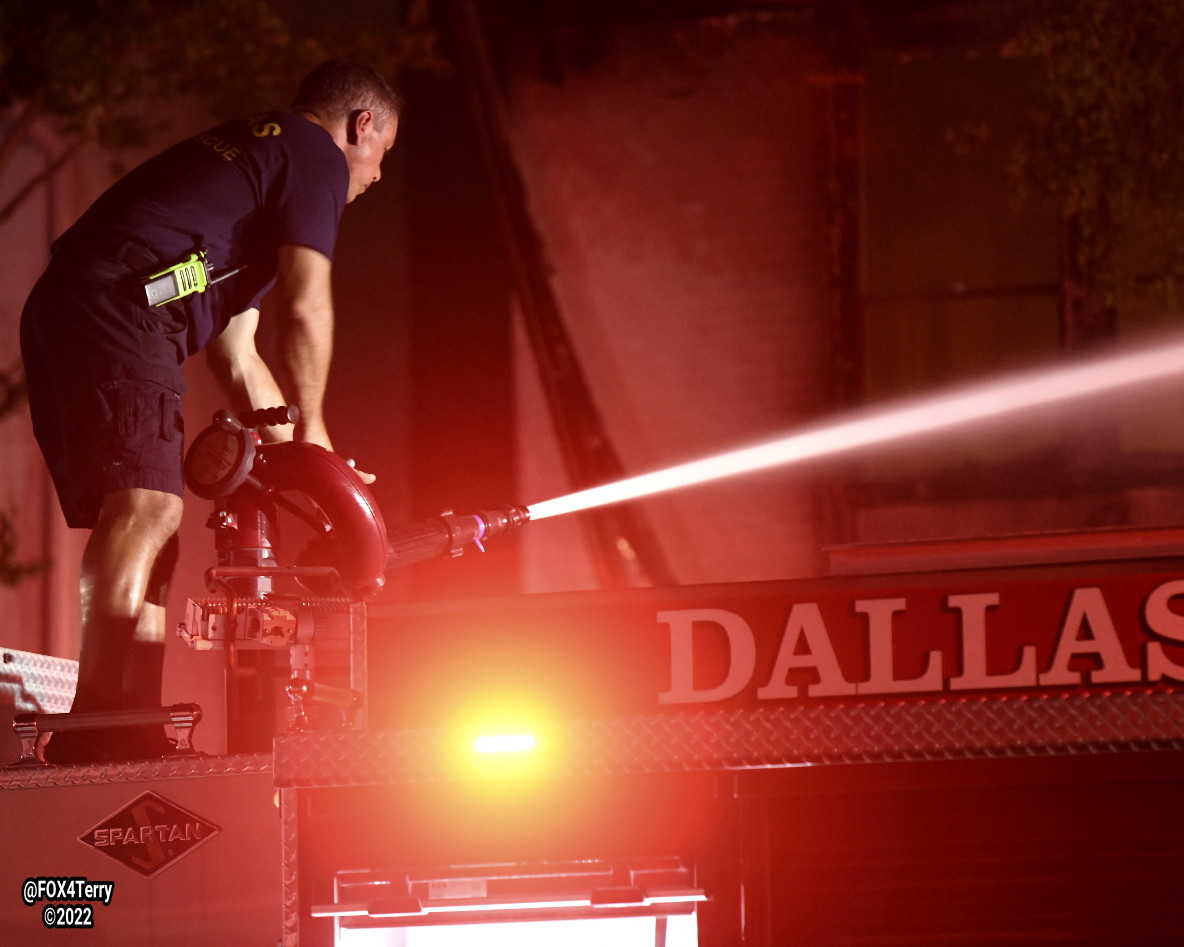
(360, 757)
(36, 683)
(962, 728)
(138, 771)
(31, 683)
(289, 869)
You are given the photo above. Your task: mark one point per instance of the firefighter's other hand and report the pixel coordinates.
(366, 478)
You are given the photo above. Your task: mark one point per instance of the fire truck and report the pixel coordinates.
(971, 742)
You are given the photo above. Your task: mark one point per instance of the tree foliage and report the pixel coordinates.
(1107, 142)
(118, 72)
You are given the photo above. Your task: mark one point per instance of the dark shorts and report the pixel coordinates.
(105, 386)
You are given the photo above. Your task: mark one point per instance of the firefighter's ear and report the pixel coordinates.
(358, 124)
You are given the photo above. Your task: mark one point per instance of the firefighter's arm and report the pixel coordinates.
(306, 335)
(243, 375)
(306, 348)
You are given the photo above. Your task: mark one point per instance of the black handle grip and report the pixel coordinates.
(266, 417)
(416, 542)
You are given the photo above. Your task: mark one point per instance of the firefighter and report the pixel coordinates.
(173, 259)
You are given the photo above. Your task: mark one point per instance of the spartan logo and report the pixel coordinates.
(149, 834)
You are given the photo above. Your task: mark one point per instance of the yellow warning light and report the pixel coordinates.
(505, 743)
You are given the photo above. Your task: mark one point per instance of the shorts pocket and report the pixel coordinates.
(143, 412)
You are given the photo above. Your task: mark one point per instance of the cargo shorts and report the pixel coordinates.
(105, 385)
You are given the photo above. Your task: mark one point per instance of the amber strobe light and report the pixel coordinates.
(505, 743)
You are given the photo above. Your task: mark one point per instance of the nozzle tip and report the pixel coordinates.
(503, 518)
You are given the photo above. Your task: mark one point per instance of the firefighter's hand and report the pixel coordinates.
(366, 478)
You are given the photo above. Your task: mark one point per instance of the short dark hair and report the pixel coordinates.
(338, 88)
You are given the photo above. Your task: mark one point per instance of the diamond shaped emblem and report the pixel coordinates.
(149, 834)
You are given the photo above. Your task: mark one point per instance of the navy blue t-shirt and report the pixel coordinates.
(238, 191)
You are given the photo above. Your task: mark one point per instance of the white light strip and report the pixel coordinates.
(338, 910)
(958, 408)
(677, 898)
(363, 910)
